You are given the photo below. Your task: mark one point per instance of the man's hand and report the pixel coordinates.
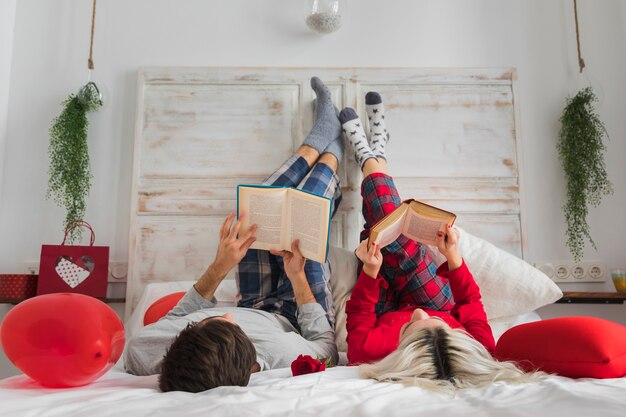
(230, 252)
(372, 258)
(447, 245)
(232, 248)
(294, 268)
(293, 261)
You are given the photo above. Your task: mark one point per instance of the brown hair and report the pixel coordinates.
(207, 355)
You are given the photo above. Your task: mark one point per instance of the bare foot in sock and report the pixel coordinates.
(376, 117)
(354, 133)
(326, 126)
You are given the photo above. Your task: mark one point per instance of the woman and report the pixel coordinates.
(401, 323)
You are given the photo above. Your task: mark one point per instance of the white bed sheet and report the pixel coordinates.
(335, 392)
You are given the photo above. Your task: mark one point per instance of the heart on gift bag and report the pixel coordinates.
(74, 272)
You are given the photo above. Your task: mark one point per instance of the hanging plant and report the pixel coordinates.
(581, 149)
(70, 173)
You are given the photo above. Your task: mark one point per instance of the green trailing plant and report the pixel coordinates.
(581, 152)
(70, 172)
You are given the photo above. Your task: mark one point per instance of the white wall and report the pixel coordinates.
(7, 24)
(536, 36)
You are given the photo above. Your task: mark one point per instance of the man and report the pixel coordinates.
(286, 305)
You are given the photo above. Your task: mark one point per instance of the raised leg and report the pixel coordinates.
(261, 279)
(376, 118)
(321, 180)
(259, 271)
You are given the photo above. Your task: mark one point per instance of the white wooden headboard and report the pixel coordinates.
(200, 131)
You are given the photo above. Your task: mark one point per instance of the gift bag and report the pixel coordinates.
(75, 269)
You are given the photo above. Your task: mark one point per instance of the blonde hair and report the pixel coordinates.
(444, 359)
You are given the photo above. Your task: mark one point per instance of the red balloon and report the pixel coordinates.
(62, 340)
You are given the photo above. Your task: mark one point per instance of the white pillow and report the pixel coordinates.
(509, 286)
(344, 266)
(225, 295)
(502, 324)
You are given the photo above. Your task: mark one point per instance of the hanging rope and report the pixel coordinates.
(581, 61)
(93, 25)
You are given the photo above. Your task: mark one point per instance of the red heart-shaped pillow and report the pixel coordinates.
(575, 347)
(161, 307)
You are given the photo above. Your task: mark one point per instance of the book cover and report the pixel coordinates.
(414, 219)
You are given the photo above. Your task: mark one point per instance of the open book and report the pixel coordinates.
(413, 219)
(283, 215)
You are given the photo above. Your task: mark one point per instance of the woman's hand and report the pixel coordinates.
(447, 245)
(372, 258)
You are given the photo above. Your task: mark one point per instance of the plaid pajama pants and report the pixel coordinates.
(261, 277)
(407, 267)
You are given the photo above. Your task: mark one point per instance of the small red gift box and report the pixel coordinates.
(18, 286)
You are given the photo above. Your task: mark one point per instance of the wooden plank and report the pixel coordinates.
(215, 122)
(574, 297)
(449, 131)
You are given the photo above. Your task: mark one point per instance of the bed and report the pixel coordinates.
(455, 144)
(335, 392)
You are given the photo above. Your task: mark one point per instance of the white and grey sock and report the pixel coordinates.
(355, 134)
(379, 136)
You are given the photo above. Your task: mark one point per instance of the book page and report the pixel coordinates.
(309, 218)
(387, 229)
(264, 207)
(423, 229)
(390, 232)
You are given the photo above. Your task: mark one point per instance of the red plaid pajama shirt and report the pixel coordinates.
(407, 267)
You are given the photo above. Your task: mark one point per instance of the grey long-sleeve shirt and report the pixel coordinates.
(276, 341)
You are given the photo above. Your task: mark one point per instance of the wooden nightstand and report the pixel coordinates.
(574, 297)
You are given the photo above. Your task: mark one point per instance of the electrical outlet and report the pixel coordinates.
(118, 270)
(31, 267)
(547, 269)
(561, 272)
(578, 271)
(570, 271)
(596, 271)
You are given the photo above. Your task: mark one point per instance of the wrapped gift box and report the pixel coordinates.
(18, 286)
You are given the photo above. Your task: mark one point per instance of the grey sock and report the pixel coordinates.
(336, 146)
(373, 97)
(354, 133)
(326, 126)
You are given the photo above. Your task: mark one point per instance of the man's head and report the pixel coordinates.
(208, 354)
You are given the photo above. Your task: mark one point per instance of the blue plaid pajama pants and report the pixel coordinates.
(261, 277)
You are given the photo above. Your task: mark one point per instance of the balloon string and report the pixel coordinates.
(93, 25)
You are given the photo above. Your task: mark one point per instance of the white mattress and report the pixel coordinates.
(335, 392)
